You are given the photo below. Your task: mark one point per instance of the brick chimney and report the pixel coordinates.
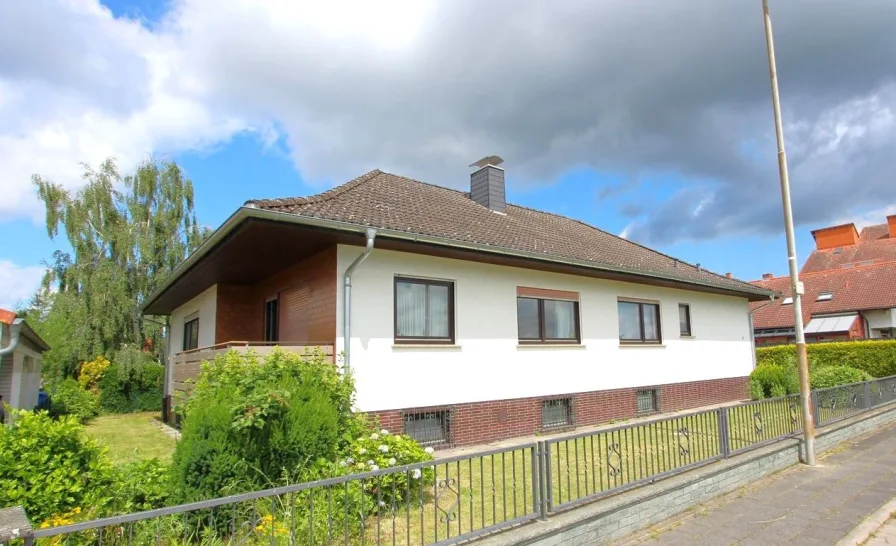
(832, 237)
(891, 222)
(487, 183)
(728, 275)
(767, 276)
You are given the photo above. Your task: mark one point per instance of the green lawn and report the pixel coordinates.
(131, 437)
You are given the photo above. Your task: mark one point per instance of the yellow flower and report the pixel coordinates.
(268, 524)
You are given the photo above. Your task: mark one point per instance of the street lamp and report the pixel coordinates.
(795, 285)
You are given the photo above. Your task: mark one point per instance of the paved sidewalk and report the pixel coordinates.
(799, 506)
(885, 536)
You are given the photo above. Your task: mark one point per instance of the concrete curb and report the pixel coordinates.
(872, 523)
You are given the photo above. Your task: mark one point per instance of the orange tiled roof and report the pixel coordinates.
(860, 288)
(874, 245)
(6, 317)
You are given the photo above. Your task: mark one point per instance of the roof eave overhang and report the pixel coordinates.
(251, 211)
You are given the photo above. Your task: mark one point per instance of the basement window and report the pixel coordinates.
(429, 428)
(647, 401)
(556, 412)
(825, 296)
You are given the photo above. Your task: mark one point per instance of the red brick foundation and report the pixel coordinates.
(482, 422)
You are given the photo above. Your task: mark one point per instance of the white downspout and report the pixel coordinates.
(347, 299)
(14, 330)
(770, 301)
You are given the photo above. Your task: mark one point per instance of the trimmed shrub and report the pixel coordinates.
(833, 376)
(877, 358)
(205, 459)
(70, 399)
(50, 466)
(772, 380)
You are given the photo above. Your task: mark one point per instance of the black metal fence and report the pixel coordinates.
(458, 498)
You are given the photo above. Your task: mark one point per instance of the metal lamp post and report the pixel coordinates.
(795, 284)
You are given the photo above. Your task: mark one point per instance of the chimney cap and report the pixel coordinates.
(492, 160)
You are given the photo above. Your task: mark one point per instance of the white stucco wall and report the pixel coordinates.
(20, 374)
(884, 318)
(489, 364)
(206, 305)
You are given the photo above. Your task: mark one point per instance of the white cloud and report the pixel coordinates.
(424, 87)
(18, 283)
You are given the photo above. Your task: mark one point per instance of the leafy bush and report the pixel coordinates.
(757, 391)
(251, 441)
(70, 399)
(381, 449)
(772, 380)
(51, 467)
(141, 485)
(877, 358)
(91, 373)
(245, 372)
(254, 422)
(130, 389)
(832, 376)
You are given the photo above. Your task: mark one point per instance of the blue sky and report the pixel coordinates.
(673, 147)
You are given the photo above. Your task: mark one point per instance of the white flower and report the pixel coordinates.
(429, 450)
(384, 448)
(374, 467)
(384, 432)
(370, 463)
(362, 451)
(392, 461)
(360, 465)
(374, 436)
(350, 461)
(342, 463)
(416, 473)
(382, 503)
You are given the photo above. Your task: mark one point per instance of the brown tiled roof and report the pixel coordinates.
(874, 244)
(388, 201)
(854, 289)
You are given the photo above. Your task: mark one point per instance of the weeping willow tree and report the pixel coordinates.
(126, 235)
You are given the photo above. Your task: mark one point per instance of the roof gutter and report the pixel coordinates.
(347, 300)
(15, 330)
(252, 211)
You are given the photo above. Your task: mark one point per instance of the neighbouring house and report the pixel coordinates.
(850, 289)
(21, 356)
(470, 319)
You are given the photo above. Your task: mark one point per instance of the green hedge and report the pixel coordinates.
(833, 376)
(126, 390)
(877, 358)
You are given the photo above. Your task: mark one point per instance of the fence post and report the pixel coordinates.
(538, 476)
(14, 525)
(815, 418)
(867, 388)
(724, 446)
(549, 480)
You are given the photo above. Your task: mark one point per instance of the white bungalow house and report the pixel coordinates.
(469, 319)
